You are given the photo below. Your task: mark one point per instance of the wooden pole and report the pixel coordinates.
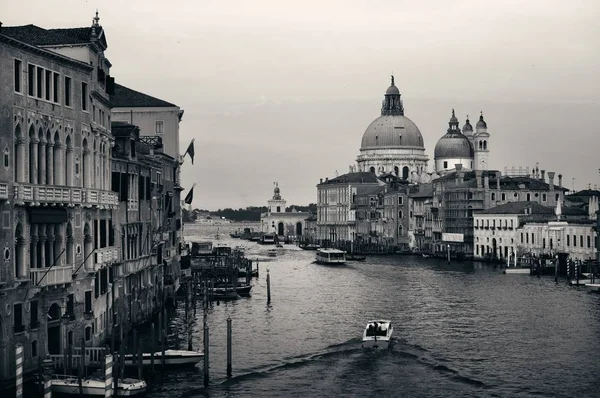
(19, 359)
(206, 337)
(152, 341)
(229, 347)
(134, 352)
(268, 287)
(163, 334)
(81, 367)
(108, 375)
(140, 361)
(188, 315)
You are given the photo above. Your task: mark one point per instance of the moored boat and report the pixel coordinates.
(355, 257)
(309, 246)
(594, 287)
(173, 358)
(272, 253)
(517, 270)
(331, 256)
(94, 386)
(377, 334)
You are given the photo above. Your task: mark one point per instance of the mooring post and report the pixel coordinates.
(268, 287)
(108, 375)
(448, 254)
(47, 369)
(152, 342)
(65, 360)
(556, 270)
(206, 334)
(188, 316)
(81, 367)
(163, 333)
(257, 269)
(140, 361)
(19, 369)
(134, 352)
(229, 347)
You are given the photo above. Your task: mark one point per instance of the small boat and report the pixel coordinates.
(355, 257)
(241, 290)
(278, 245)
(331, 257)
(377, 334)
(272, 253)
(594, 287)
(173, 358)
(425, 255)
(517, 270)
(94, 386)
(309, 246)
(268, 239)
(580, 282)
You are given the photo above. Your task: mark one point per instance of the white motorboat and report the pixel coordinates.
(377, 334)
(331, 256)
(173, 358)
(581, 282)
(517, 270)
(94, 386)
(594, 287)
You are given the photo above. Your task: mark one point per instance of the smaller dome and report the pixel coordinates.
(467, 127)
(453, 146)
(392, 90)
(453, 119)
(481, 124)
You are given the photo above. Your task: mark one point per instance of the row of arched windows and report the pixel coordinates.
(53, 162)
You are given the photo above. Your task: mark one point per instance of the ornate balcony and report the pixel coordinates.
(54, 276)
(58, 195)
(103, 257)
(3, 190)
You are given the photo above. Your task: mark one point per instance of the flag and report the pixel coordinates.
(190, 151)
(190, 196)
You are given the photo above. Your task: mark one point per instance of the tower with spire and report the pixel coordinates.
(480, 142)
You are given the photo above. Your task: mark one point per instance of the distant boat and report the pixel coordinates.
(272, 253)
(173, 358)
(355, 257)
(331, 257)
(377, 334)
(309, 246)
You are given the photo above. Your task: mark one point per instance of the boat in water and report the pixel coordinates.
(173, 358)
(272, 253)
(517, 270)
(377, 334)
(355, 257)
(309, 246)
(331, 257)
(94, 386)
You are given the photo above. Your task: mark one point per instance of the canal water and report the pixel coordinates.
(460, 330)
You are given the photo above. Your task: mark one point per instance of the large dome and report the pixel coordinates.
(392, 131)
(453, 146)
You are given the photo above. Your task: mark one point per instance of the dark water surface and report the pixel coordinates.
(460, 330)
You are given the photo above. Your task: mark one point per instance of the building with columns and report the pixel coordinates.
(286, 224)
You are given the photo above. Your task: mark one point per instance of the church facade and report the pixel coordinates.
(285, 224)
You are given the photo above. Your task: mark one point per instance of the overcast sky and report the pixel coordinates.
(283, 91)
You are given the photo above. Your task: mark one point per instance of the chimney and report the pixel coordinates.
(478, 178)
(551, 180)
(326, 179)
(543, 176)
(560, 180)
(498, 180)
(486, 181)
(321, 182)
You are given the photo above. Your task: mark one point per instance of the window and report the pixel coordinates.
(88, 333)
(528, 197)
(67, 91)
(55, 86)
(160, 127)
(34, 348)
(84, 95)
(532, 239)
(40, 82)
(18, 317)
(544, 197)
(503, 197)
(87, 308)
(18, 75)
(589, 242)
(400, 200)
(31, 80)
(493, 196)
(445, 164)
(580, 240)
(574, 241)
(568, 240)
(400, 214)
(278, 209)
(93, 113)
(33, 310)
(521, 237)
(48, 81)
(6, 158)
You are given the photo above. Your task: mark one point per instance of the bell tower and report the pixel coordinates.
(480, 141)
(277, 203)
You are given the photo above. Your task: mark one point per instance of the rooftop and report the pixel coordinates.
(359, 177)
(518, 208)
(125, 97)
(37, 36)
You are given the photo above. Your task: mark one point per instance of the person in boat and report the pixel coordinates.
(370, 330)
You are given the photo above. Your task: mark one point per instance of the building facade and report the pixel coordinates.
(286, 224)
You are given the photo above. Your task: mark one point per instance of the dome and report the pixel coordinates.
(467, 127)
(453, 145)
(392, 131)
(392, 90)
(481, 124)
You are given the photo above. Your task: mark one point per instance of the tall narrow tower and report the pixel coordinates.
(481, 144)
(277, 204)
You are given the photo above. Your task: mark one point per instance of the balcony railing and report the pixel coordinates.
(54, 276)
(44, 194)
(133, 266)
(104, 256)
(3, 191)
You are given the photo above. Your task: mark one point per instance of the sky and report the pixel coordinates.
(283, 91)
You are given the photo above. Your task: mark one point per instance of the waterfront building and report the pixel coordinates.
(577, 239)
(286, 224)
(336, 204)
(460, 194)
(396, 212)
(369, 215)
(421, 218)
(393, 143)
(56, 144)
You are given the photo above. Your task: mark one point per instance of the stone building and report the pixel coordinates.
(336, 204)
(421, 218)
(286, 224)
(56, 144)
(392, 143)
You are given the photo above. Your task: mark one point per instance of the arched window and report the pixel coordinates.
(400, 230)
(372, 169)
(589, 241)
(400, 214)
(396, 170)
(33, 147)
(480, 145)
(68, 162)
(484, 145)
(6, 158)
(405, 173)
(88, 333)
